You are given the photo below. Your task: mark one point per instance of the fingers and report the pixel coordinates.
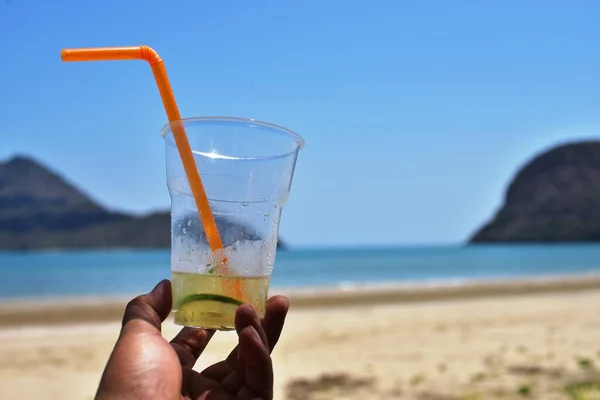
(190, 343)
(246, 316)
(196, 386)
(277, 309)
(254, 364)
(149, 310)
(272, 324)
(252, 367)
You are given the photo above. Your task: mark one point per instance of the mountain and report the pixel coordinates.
(553, 198)
(39, 210)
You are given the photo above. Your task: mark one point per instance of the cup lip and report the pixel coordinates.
(297, 138)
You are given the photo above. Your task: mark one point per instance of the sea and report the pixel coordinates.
(130, 272)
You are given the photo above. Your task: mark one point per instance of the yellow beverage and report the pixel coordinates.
(204, 300)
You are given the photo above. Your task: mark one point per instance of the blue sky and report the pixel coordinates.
(416, 114)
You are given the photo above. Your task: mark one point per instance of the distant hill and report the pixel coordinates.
(553, 198)
(39, 210)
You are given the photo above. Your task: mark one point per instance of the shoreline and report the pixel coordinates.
(77, 310)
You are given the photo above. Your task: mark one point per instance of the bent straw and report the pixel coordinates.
(185, 151)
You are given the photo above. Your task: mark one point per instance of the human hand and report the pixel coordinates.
(144, 365)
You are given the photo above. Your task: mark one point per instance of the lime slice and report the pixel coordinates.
(192, 300)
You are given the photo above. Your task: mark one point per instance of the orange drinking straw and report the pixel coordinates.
(185, 151)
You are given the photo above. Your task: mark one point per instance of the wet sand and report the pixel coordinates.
(502, 340)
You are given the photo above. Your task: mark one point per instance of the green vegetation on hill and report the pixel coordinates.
(41, 210)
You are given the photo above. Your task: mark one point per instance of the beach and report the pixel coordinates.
(536, 338)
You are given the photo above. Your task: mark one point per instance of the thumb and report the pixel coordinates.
(146, 312)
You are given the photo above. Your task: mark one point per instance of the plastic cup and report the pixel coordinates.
(247, 168)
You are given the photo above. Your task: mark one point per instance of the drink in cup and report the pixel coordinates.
(250, 166)
(246, 168)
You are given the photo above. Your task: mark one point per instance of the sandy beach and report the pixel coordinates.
(508, 340)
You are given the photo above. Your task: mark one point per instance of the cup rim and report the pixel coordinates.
(297, 138)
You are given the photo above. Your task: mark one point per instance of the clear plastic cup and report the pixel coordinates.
(246, 167)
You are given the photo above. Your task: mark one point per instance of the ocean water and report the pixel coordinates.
(94, 273)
